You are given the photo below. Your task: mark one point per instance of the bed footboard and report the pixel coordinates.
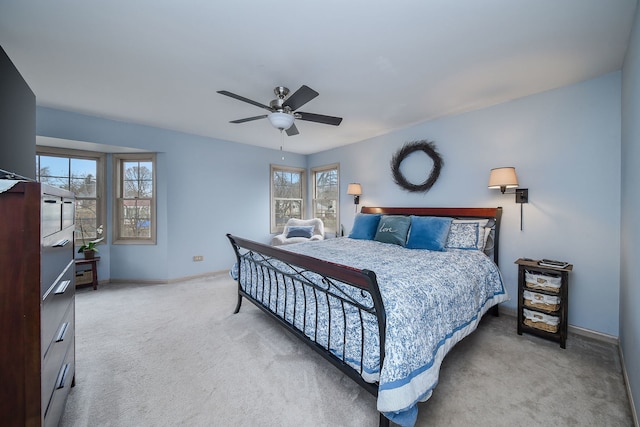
(294, 289)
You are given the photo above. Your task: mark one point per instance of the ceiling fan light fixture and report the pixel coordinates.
(282, 110)
(280, 120)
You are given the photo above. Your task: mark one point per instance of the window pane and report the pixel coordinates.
(84, 187)
(135, 218)
(287, 184)
(326, 197)
(54, 166)
(326, 211)
(286, 209)
(138, 179)
(86, 220)
(145, 177)
(54, 171)
(327, 184)
(83, 177)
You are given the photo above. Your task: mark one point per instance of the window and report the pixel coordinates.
(135, 198)
(81, 172)
(326, 187)
(287, 195)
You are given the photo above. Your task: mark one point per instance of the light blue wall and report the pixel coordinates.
(565, 145)
(205, 189)
(630, 248)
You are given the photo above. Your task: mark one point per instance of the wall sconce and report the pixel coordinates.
(504, 178)
(355, 190)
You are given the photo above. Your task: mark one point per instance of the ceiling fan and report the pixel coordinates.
(282, 110)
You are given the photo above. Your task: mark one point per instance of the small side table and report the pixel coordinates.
(548, 303)
(93, 266)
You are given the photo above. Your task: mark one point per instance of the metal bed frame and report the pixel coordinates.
(271, 271)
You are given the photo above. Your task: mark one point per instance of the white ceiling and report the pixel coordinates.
(381, 65)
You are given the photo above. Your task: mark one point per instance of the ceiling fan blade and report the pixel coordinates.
(293, 130)
(243, 99)
(300, 97)
(319, 118)
(248, 119)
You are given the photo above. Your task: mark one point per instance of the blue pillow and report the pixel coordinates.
(364, 226)
(428, 232)
(300, 231)
(393, 229)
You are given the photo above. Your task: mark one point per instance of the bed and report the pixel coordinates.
(383, 308)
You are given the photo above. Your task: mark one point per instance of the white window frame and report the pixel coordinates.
(101, 186)
(118, 179)
(329, 230)
(275, 228)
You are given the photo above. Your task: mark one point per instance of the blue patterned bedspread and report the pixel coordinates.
(432, 301)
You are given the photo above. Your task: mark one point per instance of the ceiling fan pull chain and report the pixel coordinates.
(281, 143)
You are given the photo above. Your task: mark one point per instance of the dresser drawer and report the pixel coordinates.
(51, 212)
(62, 386)
(56, 253)
(68, 212)
(55, 304)
(57, 212)
(56, 352)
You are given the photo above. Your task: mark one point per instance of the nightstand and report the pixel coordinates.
(92, 271)
(543, 297)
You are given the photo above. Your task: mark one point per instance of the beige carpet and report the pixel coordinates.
(175, 355)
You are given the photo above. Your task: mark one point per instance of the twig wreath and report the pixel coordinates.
(409, 148)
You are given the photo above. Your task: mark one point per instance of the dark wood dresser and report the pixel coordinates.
(37, 303)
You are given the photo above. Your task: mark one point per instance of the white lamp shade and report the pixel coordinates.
(503, 178)
(354, 189)
(281, 120)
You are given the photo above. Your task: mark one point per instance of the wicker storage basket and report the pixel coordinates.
(544, 322)
(84, 277)
(546, 282)
(541, 301)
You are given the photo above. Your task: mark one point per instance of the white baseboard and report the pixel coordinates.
(634, 414)
(573, 329)
(593, 334)
(164, 282)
